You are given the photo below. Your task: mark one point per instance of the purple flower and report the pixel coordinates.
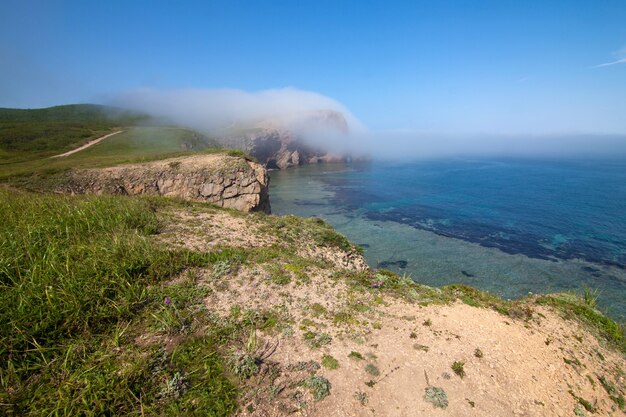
(167, 300)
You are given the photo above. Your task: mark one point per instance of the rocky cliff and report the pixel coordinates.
(280, 143)
(226, 181)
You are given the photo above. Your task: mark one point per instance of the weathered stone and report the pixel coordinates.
(224, 180)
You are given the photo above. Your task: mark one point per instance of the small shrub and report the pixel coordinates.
(355, 355)
(372, 369)
(428, 323)
(317, 340)
(436, 396)
(329, 362)
(458, 368)
(220, 269)
(244, 365)
(361, 397)
(319, 386)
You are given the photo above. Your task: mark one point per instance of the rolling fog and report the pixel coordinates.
(215, 111)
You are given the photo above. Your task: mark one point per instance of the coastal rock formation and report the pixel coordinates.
(226, 181)
(280, 144)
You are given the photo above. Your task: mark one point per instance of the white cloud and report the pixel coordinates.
(620, 59)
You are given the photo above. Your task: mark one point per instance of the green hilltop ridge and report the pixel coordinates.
(51, 130)
(144, 305)
(30, 137)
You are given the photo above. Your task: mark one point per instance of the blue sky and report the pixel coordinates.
(437, 66)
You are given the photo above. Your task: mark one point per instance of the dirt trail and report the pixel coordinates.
(86, 145)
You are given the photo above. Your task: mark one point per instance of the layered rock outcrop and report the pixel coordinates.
(226, 181)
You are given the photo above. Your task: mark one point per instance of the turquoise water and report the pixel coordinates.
(507, 226)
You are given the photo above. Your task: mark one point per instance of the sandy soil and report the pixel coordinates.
(86, 145)
(539, 366)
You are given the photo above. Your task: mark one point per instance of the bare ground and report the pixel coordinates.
(391, 352)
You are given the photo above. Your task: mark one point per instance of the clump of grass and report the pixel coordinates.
(616, 396)
(572, 362)
(355, 355)
(590, 297)
(436, 396)
(428, 322)
(279, 276)
(220, 269)
(317, 340)
(588, 406)
(310, 366)
(361, 397)
(329, 362)
(372, 369)
(318, 385)
(459, 368)
(318, 309)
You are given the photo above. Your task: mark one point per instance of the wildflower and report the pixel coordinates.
(167, 301)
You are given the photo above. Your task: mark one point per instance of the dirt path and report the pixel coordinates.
(86, 145)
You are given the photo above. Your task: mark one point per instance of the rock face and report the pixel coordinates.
(226, 181)
(279, 145)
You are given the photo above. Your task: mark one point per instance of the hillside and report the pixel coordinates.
(41, 132)
(150, 306)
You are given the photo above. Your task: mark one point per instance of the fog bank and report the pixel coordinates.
(216, 111)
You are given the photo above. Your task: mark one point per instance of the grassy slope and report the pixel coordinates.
(28, 133)
(134, 145)
(85, 327)
(29, 137)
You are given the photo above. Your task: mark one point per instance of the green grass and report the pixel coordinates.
(138, 144)
(329, 362)
(459, 368)
(80, 283)
(575, 307)
(25, 133)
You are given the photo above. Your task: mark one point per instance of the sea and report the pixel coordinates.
(509, 226)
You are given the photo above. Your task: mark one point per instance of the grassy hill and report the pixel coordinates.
(29, 137)
(26, 133)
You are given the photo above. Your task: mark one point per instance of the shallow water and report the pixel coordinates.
(510, 227)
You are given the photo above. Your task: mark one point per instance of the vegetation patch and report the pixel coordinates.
(436, 396)
(317, 340)
(318, 385)
(459, 368)
(572, 306)
(329, 362)
(372, 369)
(356, 356)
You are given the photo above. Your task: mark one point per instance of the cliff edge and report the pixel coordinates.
(223, 180)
